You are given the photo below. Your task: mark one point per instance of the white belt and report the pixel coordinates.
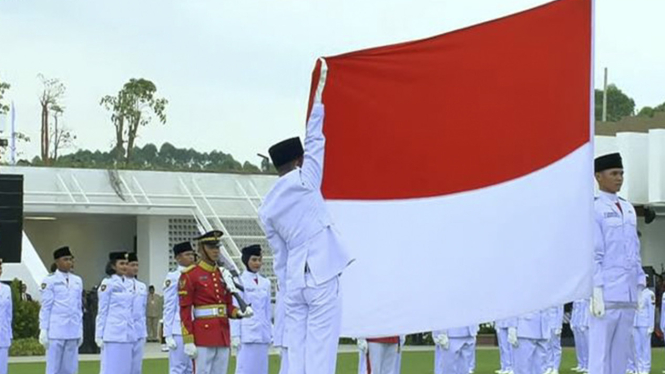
(210, 312)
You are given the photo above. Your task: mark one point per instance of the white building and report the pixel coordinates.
(100, 211)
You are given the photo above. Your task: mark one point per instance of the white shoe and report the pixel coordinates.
(165, 348)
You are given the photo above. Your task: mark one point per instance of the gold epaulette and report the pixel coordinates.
(188, 269)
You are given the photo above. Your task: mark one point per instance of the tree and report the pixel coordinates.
(619, 104)
(132, 108)
(648, 111)
(61, 137)
(4, 108)
(53, 92)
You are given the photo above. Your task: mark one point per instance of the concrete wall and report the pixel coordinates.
(90, 237)
(653, 243)
(153, 249)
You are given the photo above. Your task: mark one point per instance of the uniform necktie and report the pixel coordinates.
(256, 280)
(619, 206)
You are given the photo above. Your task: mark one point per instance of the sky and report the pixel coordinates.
(237, 73)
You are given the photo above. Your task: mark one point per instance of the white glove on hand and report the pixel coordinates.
(597, 303)
(362, 345)
(80, 342)
(235, 342)
(557, 332)
(318, 96)
(43, 338)
(650, 330)
(443, 341)
(190, 350)
(170, 343)
(249, 312)
(512, 336)
(99, 342)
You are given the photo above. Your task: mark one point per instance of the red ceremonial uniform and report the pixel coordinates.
(205, 306)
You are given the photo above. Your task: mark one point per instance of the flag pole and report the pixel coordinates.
(13, 136)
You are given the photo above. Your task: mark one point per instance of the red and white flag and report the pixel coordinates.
(458, 169)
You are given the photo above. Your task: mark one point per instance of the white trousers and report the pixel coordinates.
(456, 359)
(252, 358)
(137, 356)
(505, 349)
(284, 361)
(313, 319)
(530, 356)
(116, 358)
(642, 341)
(4, 360)
(582, 346)
(62, 356)
(212, 360)
(179, 362)
(610, 341)
(554, 352)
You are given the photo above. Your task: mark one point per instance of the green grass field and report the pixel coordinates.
(412, 363)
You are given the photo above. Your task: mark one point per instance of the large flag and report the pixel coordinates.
(458, 169)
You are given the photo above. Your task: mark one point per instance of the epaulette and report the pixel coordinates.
(188, 269)
(621, 198)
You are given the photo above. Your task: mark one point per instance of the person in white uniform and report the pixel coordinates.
(618, 278)
(139, 312)
(61, 315)
(179, 362)
(251, 337)
(5, 324)
(645, 320)
(529, 335)
(114, 327)
(303, 236)
(505, 348)
(454, 348)
(579, 323)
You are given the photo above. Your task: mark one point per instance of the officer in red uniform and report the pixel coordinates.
(205, 308)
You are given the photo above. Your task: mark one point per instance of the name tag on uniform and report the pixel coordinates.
(203, 278)
(611, 215)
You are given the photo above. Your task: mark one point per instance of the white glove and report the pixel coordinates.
(512, 336)
(362, 345)
(318, 96)
(650, 330)
(597, 303)
(235, 342)
(247, 313)
(43, 338)
(80, 340)
(557, 332)
(190, 350)
(443, 341)
(99, 342)
(170, 343)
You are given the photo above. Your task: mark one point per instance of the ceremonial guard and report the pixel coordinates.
(579, 323)
(555, 319)
(5, 324)
(179, 362)
(61, 315)
(114, 328)
(139, 312)
(505, 348)
(252, 336)
(205, 308)
(379, 355)
(454, 349)
(529, 335)
(645, 320)
(618, 278)
(301, 232)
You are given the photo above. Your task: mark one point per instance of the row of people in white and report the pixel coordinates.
(5, 324)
